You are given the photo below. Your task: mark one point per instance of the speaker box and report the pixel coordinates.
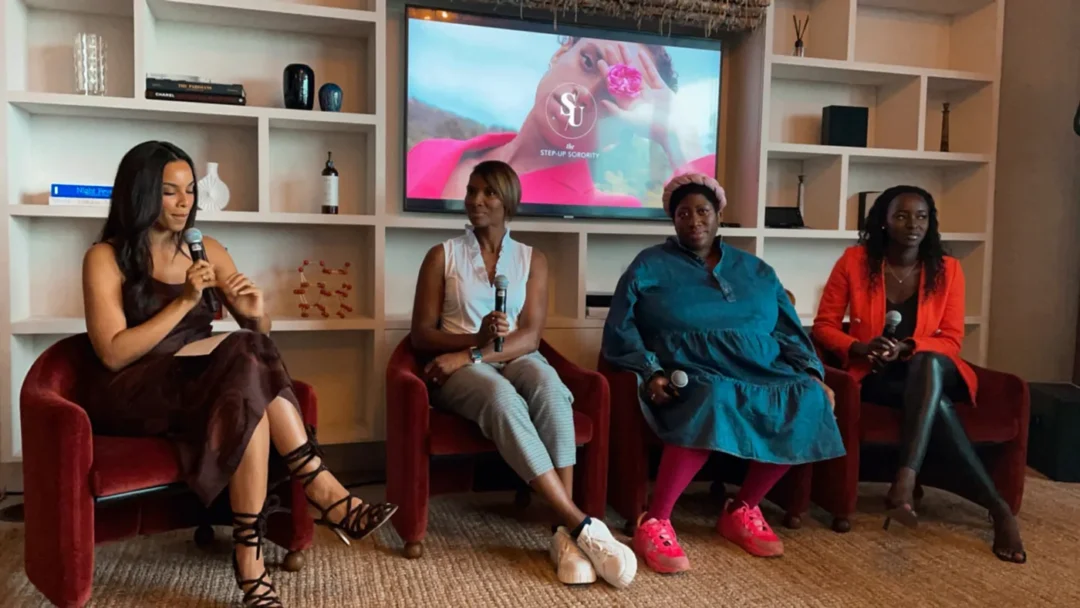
(1054, 435)
(844, 126)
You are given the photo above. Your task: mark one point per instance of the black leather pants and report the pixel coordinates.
(928, 383)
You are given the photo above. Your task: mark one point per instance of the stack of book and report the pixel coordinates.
(79, 194)
(194, 89)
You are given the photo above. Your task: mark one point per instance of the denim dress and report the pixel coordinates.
(752, 391)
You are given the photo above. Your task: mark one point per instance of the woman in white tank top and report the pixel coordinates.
(514, 395)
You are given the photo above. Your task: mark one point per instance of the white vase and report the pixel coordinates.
(213, 193)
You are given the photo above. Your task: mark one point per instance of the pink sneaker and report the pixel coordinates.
(747, 528)
(655, 542)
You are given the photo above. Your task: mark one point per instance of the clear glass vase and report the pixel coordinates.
(91, 64)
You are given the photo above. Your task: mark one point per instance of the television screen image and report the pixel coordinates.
(594, 122)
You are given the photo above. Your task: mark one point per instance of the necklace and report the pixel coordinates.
(898, 278)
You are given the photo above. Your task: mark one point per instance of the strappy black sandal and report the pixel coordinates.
(361, 518)
(249, 530)
(1005, 553)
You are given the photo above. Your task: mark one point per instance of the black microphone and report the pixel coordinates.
(193, 237)
(892, 320)
(501, 283)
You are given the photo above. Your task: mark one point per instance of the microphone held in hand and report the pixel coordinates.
(501, 283)
(678, 379)
(193, 237)
(892, 321)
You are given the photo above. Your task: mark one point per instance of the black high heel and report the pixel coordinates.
(361, 518)
(1007, 554)
(249, 530)
(903, 513)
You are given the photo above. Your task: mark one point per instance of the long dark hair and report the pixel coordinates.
(134, 209)
(875, 237)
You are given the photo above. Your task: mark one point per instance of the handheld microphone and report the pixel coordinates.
(892, 320)
(193, 237)
(501, 283)
(677, 380)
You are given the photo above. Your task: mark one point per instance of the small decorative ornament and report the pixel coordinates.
(624, 81)
(298, 86)
(213, 193)
(342, 293)
(800, 33)
(800, 200)
(330, 97)
(945, 127)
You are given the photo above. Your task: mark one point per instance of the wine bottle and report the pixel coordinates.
(330, 186)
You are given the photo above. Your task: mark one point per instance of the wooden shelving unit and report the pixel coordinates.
(901, 58)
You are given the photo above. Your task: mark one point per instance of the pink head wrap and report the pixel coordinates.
(694, 178)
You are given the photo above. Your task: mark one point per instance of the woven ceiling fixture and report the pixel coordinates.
(712, 15)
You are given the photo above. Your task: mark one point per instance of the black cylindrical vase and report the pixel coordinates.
(298, 86)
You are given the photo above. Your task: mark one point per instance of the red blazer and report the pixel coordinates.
(939, 327)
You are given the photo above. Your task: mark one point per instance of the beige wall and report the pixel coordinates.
(1036, 262)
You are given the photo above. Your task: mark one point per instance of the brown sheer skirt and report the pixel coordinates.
(207, 405)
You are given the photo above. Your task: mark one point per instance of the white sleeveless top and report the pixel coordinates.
(468, 295)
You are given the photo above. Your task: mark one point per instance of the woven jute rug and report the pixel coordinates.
(483, 551)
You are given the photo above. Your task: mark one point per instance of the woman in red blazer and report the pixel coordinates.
(899, 271)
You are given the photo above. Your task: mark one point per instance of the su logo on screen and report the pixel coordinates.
(573, 112)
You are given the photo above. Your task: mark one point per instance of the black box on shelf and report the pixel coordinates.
(866, 200)
(844, 126)
(783, 217)
(1054, 434)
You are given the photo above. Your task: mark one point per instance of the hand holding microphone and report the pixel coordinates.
(200, 276)
(660, 390)
(885, 348)
(501, 283)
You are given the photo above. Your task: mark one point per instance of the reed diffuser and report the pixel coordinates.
(945, 127)
(800, 33)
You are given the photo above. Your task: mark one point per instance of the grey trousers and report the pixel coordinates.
(522, 406)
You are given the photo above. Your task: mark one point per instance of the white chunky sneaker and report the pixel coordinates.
(571, 564)
(614, 561)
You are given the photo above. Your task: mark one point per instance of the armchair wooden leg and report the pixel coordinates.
(414, 550)
(204, 537)
(841, 525)
(294, 561)
(792, 521)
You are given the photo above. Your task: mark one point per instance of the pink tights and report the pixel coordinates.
(679, 465)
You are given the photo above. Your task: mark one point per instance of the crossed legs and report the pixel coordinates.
(525, 409)
(929, 416)
(282, 428)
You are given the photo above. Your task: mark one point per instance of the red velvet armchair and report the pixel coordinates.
(416, 434)
(997, 425)
(82, 489)
(629, 470)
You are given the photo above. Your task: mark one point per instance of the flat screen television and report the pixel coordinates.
(595, 122)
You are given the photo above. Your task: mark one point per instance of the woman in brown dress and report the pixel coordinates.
(223, 400)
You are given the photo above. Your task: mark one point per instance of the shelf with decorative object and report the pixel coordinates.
(247, 150)
(271, 158)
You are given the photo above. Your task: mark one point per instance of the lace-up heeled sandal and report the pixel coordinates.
(361, 518)
(249, 531)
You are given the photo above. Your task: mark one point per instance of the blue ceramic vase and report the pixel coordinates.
(330, 97)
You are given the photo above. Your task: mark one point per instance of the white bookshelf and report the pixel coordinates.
(271, 158)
